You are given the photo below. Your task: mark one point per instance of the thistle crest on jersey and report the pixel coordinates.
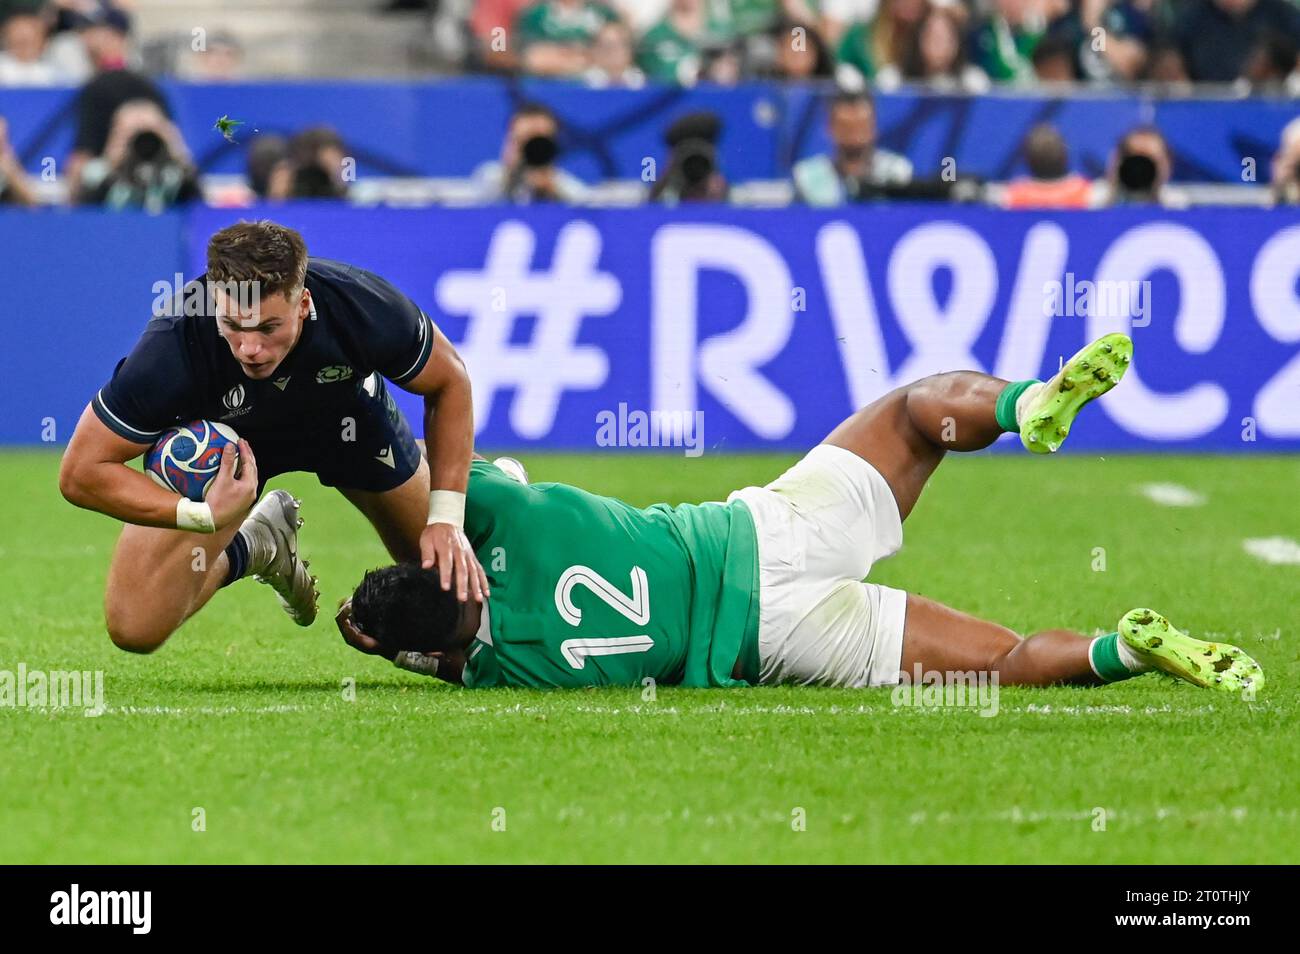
(185, 459)
(333, 373)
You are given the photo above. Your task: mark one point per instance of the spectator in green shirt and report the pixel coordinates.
(556, 35)
(672, 51)
(1003, 45)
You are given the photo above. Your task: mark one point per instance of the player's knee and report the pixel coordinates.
(923, 396)
(935, 387)
(134, 635)
(1006, 644)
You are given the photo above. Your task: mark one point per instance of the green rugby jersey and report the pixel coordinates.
(550, 23)
(590, 591)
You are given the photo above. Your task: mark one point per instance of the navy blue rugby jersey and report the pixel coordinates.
(182, 370)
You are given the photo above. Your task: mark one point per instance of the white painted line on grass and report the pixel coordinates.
(1015, 814)
(1278, 550)
(204, 710)
(1165, 709)
(1172, 495)
(722, 708)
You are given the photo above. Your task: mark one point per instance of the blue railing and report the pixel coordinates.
(446, 128)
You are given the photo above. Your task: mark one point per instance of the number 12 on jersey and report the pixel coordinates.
(635, 608)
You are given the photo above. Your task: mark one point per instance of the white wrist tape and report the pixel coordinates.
(447, 506)
(194, 516)
(416, 662)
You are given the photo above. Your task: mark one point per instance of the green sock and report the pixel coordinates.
(1005, 410)
(1103, 656)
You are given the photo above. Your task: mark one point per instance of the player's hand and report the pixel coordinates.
(231, 495)
(353, 636)
(447, 548)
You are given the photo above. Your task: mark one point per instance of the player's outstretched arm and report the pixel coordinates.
(449, 445)
(93, 475)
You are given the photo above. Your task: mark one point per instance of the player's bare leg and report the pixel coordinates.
(944, 640)
(941, 640)
(398, 515)
(906, 433)
(159, 578)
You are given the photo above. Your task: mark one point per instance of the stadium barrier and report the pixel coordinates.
(763, 327)
(405, 128)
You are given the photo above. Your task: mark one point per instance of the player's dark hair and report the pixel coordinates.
(266, 252)
(405, 608)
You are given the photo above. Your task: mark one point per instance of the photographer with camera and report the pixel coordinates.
(857, 169)
(1140, 169)
(526, 172)
(693, 174)
(145, 164)
(317, 165)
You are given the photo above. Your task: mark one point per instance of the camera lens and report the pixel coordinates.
(696, 163)
(540, 151)
(147, 146)
(312, 181)
(1137, 173)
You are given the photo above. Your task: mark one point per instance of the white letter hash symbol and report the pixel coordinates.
(635, 608)
(507, 287)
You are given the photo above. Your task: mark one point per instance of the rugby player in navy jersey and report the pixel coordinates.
(298, 368)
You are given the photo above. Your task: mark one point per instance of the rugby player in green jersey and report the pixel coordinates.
(768, 587)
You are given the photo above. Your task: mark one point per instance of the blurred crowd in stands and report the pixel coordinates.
(128, 153)
(945, 44)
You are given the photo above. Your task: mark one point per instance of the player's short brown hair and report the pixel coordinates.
(266, 252)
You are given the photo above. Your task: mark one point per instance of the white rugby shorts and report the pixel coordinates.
(820, 526)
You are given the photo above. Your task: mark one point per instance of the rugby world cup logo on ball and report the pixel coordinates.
(187, 458)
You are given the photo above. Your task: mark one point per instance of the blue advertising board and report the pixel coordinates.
(773, 325)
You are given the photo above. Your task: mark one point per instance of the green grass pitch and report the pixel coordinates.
(245, 716)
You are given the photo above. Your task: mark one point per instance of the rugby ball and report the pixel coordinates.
(185, 459)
